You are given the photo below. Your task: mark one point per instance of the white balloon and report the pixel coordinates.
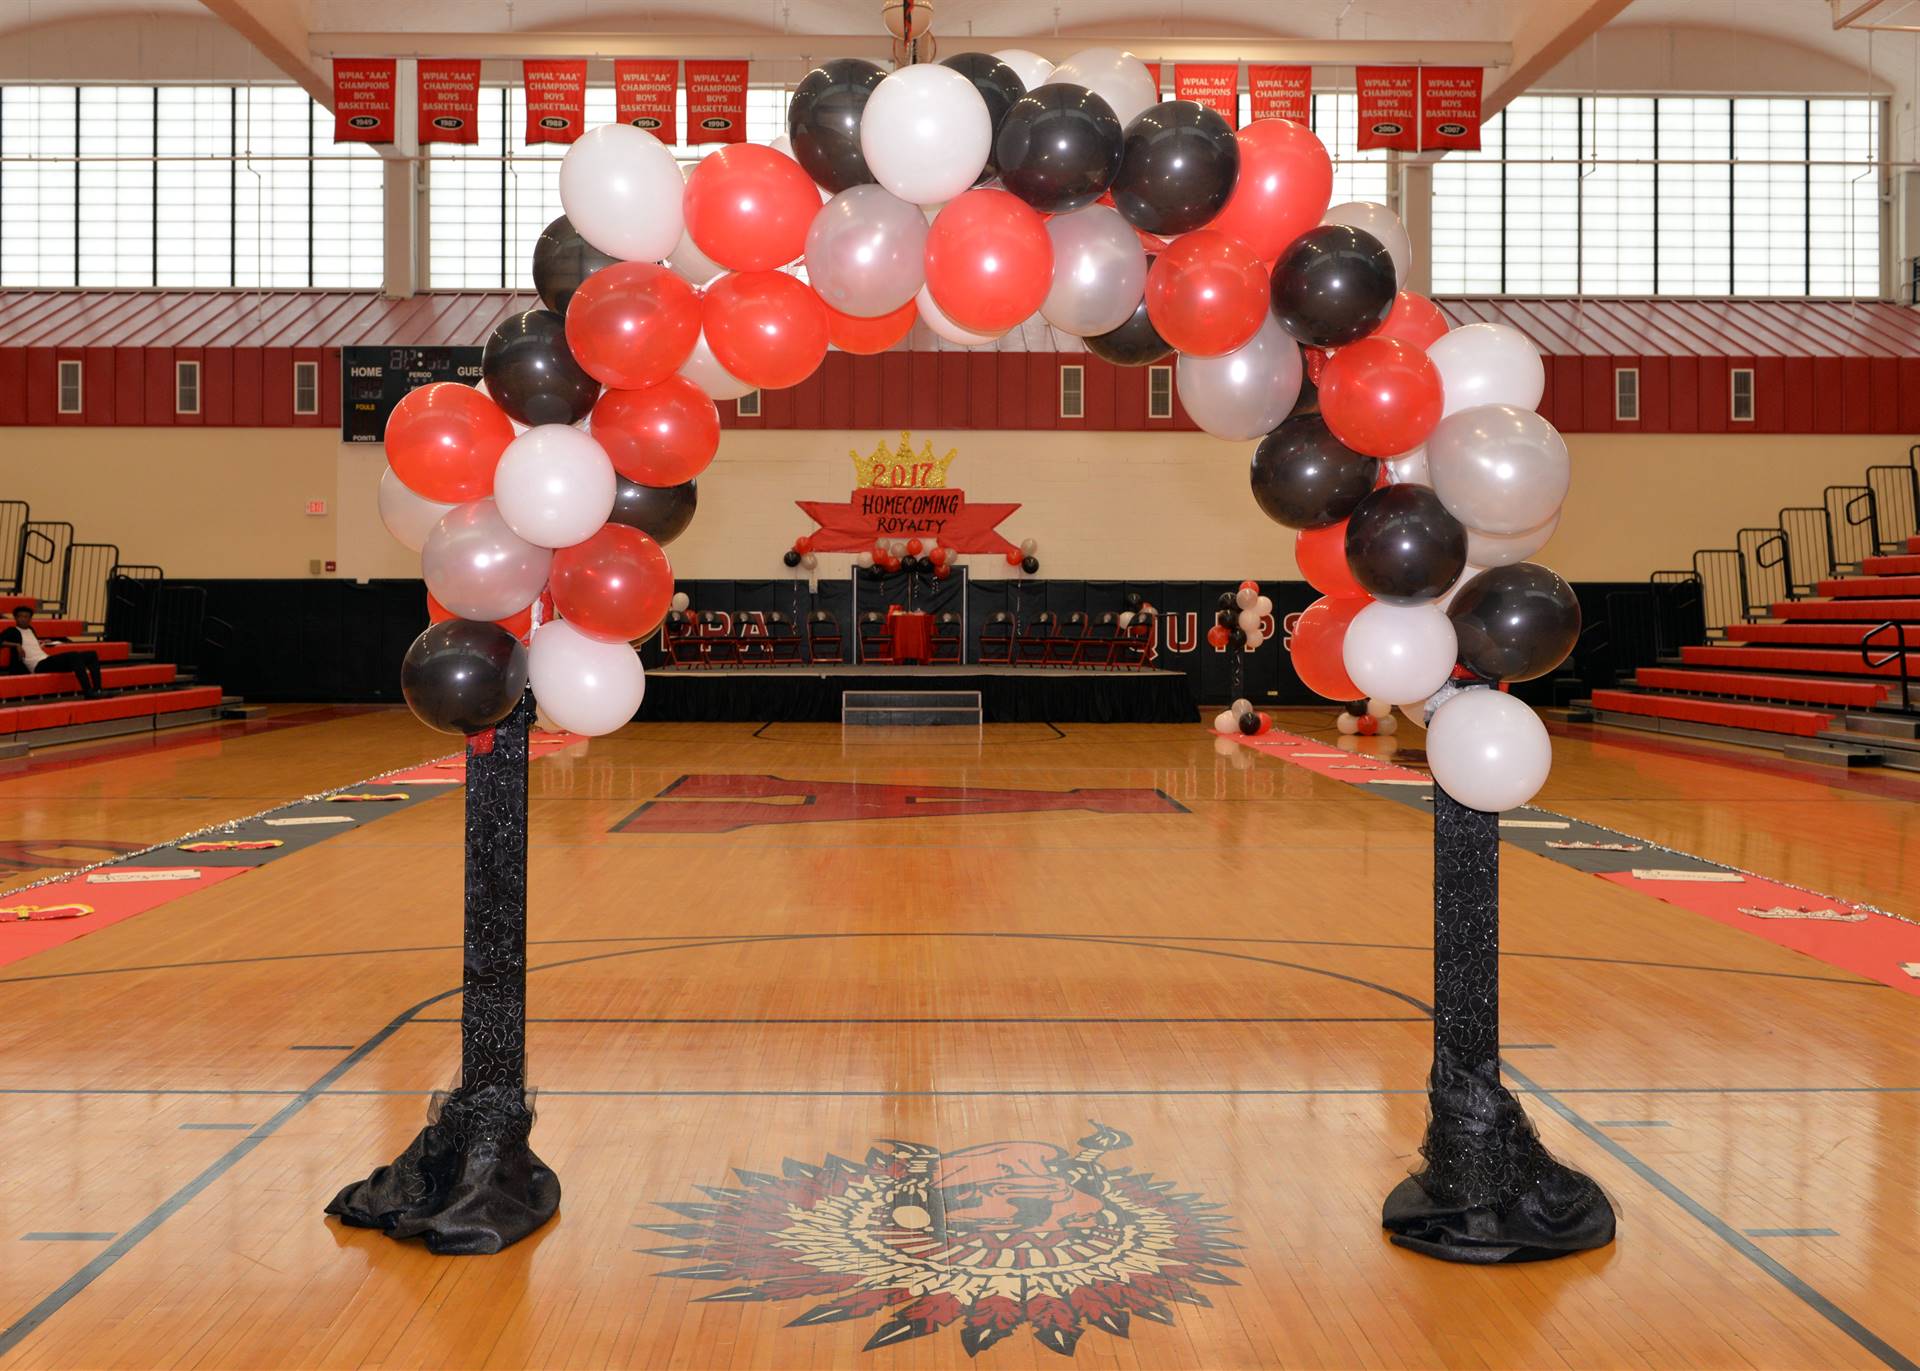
(692, 265)
(1030, 67)
(584, 685)
(1388, 726)
(1380, 709)
(1494, 549)
(680, 601)
(408, 517)
(1264, 605)
(1488, 750)
(1487, 364)
(926, 133)
(931, 316)
(1224, 722)
(1119, 78)
(704, 370)
(1347, 723)
(1399, 653)
(1240, 708)
(621, 188)
(554, 486)
(1244, 394)
(1410, 468)
(1499, 468)
(1383, 224)
(1254, 638)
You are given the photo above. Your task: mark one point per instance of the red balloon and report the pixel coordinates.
(632, 324)
(989, 260)
(941, 571)
(1315, 644)
(1380, 396)
(1207, 293)
(661, 436)
(766, 328)
(1414, 319)
(1322, 555)
(803, 545)
(1266, 723)
(1285, 182)
(864, 337)
(1251, 585)
(748, 207)
(1367, 725)
(444, 440)
(519, 625)
(1316, 362)
(1218, 637)
(938, 556)
(616, 586)
(1015, 556)
(913, 547)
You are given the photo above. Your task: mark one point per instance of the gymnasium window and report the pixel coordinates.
(306, 387)
(748, 405)
(70, 396)
(1159, 392)
(1073, 394)
(1626, 394)
(186, 387)
(215, 185)
(1742, 389)
(1675, 195)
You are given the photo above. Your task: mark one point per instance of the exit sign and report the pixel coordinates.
(316, 506)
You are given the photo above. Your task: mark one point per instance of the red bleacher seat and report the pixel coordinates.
(1810, 690)
(1759, 718)
(1821, 661)
(1853, 610)
(65, 683)
(27, 719)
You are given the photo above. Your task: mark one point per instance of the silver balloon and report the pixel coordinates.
(1246, 393)
(866, 252)
(1499, 468)
(1099, 271)
(1487, 364)
(1490, 549)
(704, 370)
(478, 567)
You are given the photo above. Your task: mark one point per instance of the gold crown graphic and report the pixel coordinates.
(902, 466)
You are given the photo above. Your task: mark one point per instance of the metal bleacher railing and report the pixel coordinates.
(14, 516)
(1806, 545)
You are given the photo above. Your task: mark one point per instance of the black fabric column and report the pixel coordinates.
(469, 1182)
(1489, 1192)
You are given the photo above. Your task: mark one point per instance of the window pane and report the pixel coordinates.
(1543, 200)
(1843, 223)
(1466, 216)
(1356, 175)
(465, 203)
(194, 209)
(1695, 185)
(1769, 202)
(36, 198)
(116, 197)
(1616, 199)
(273, 135)
(349, 208)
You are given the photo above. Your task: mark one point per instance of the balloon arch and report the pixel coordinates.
(972, 195)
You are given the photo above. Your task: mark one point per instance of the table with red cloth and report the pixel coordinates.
(912, 635)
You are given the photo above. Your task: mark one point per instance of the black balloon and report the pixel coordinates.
(1333, 286)
(461, 676)
(823, 121)
(1304, 477)
(1515, 622)
(562, 259)
(1249, 723)
(1059, 148)
(1029, 564)
(1309, 398)
(531, 374)
(1403, 547)
(1136, 343)
(1133, 599)
(660, 512)
(999, 85)
(790, 557)
(1178, 166)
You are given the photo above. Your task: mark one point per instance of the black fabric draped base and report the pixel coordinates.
(470, 1183)
(1489, 1191)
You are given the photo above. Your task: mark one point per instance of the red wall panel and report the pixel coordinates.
(836, 391)
(129, 386)
(926, 389)
(1099, 384)
(954, 378)
(809, 399)
(896, 390)
(1884, 394)
(1769, 394)
(776, 408)
(329, 389)
(43, 379)
(1043, 390)
(1796, 384)
(1716, 400)
(1569, 410)
(867, 381)
(102, 392)
(1656, 395)
(1855, 388)
(276, 387)
(158, 366)
(1596, 394)
(13, 385)
(1130, 399)
(1683, 409)
(1829, 407)
(1010, 407)
(245, 410)
(1909, 394)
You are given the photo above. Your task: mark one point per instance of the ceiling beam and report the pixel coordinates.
(1546, 35)
(1847, 12)
(819, 46)
(278, 30)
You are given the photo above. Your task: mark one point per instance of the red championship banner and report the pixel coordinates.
(1213, 84)
(1450, 108)
(643, 90)
(716, 102)
(449, 100)
(1389, 107)
(556, 99)
(1281, 92)
(1153, 70)
(363, 99)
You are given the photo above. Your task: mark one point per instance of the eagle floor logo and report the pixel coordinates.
(988, 1238)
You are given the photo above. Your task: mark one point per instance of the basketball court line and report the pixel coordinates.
(11, 1336)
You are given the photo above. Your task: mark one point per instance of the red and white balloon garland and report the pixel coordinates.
(973, 196)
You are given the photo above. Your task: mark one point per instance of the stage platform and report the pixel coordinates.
(1008, 694)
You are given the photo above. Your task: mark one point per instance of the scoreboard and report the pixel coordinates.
(373, 379)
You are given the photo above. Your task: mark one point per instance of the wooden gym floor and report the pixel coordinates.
(1210, 970)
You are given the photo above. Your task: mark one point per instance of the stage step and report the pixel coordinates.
(910, 708)
(1819, 661)
(1759, 718)
(1831, 754)
(1868, 587)
(1902, 726)
(1811, 690)
(1901, 565)
(1857, 611)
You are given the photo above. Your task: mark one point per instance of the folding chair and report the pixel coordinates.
(996, 641)
(1096, 647)
(946, 639)
(876, 643)
(823, 637)
(1063, 649)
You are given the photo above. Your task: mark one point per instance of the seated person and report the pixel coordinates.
(30, 654)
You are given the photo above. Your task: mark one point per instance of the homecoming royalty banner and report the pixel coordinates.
(904, 494)
(449, 93)
(1279, 92)
(556, 99)
(643, 93)
(1450, 108)
(1389, 107)
(363, 99)
(1213, 84)
(716, 102)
